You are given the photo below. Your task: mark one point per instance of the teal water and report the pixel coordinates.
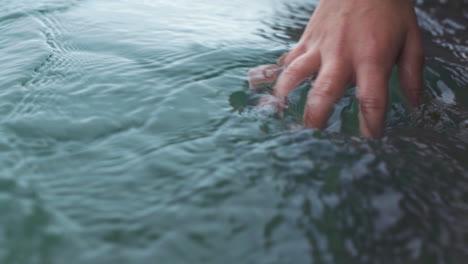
(128, 135)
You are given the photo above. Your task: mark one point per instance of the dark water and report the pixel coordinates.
(128, 135)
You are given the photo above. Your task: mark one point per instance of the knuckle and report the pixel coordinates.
(287, 58)
(323, 88)
(300, 48)
(371, 104)
(293, 70)
(373, 54)
(339, 50)
(335, 65)
(375, 42)
(371, 58)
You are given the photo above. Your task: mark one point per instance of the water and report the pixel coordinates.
(128, 135)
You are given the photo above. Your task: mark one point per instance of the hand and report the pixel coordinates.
(355, 41)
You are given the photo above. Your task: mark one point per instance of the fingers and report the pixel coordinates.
(298, 71)
(372, 94)
(262, 76)
(270, 105)
(327, 89)
(410, 69)
(290, 56)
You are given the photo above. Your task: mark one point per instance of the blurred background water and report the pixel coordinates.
(128, 135)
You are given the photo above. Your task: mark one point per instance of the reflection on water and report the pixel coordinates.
(128, 135)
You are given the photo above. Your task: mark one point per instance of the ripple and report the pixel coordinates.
(30, 232)
(131, 135)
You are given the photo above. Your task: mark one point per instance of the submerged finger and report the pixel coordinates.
(297, 72)
(327, 89)
(263, 76)
(270, 105)
(410, 69)
(372, 94)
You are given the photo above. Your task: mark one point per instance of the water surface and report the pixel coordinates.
(128, 135)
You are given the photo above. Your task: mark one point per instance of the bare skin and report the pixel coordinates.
(354, 41)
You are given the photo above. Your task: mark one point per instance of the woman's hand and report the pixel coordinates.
(355, 41)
